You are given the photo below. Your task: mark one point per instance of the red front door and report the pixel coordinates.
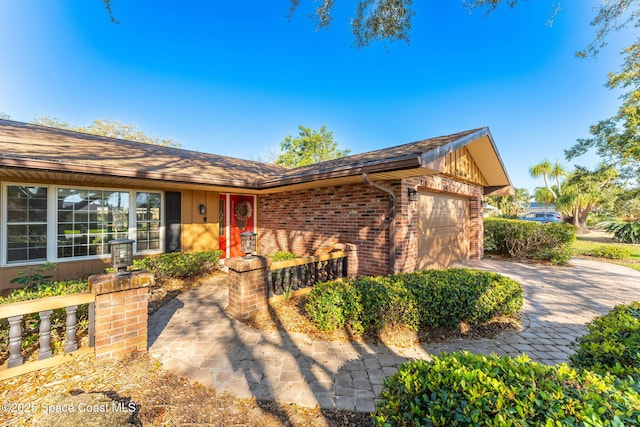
(237, 216)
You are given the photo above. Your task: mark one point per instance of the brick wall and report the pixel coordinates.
(309, 222)
(312, 221)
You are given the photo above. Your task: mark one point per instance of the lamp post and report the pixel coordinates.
(248, 243)
(121, 255)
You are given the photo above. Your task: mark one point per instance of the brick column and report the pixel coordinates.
(120, 313)
(352, 258)
(248, 286)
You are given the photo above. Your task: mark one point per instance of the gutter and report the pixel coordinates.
(391, 219)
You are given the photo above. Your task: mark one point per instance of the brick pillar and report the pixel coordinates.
(120, 313)
(352, 258)
(248, 286)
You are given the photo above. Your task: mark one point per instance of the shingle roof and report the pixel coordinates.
(73, 151)
(35, 147)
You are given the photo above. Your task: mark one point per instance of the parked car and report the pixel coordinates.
(543, 217)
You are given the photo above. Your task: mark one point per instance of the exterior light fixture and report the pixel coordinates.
(203, 209)
(248, 243)
(414, 195)
(121, 255)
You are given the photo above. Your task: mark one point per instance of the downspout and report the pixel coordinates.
(391, 219)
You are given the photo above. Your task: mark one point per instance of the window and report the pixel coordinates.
(148, 208)
(41, 223)
(26, 223)
(89, 219)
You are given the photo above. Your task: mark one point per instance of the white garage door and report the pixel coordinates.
(443, 225)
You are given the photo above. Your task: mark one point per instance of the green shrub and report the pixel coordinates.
(427, 298)
(383, 301)
(281, 256)
(610, 252)
(448, 297)
(46, 290)
(625, 231)
(463, 389)
(529, 239)
(179, 265)
(331, 304)
(612, 343)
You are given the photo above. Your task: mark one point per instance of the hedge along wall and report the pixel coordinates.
(310, 221)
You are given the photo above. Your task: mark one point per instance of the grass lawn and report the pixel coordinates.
(597, 239)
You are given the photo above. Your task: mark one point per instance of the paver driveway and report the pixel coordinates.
(193, 337)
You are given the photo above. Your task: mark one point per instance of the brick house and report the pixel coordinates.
(64, 195)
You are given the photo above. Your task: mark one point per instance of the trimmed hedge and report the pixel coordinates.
(463, 389)
(429, 298)
(179, 265)
(529, 239)
(610, 252)
(612, 343)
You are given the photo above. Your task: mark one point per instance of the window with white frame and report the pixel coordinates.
(148, 221)
(26, 222)
(89, 219)
(48, 222)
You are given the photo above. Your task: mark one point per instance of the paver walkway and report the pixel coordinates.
(193, 337)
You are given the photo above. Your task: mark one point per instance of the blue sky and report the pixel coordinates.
(235, 78)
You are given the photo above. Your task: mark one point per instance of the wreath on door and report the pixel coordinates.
(242, 212)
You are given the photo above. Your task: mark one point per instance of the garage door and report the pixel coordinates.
(443, 225)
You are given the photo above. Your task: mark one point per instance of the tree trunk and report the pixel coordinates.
(580, 220)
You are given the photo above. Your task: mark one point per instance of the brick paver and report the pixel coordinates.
(193, 337)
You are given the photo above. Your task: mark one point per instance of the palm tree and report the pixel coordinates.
(547, 170)
(557, 172)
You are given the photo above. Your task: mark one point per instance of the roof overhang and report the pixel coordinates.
(483, 149)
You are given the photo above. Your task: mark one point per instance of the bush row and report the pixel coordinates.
(610, 252)
(529, 239)
(179, 265)
(600, 388)
(429, 298)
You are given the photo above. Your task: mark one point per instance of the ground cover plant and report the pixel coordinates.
(424, 299)
(464, 389)
(612, 343)
(529, 240)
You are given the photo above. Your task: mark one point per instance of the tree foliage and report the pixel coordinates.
(585, 190)
(547, 171)
(110, 129)
(544, 196)
(309, 147)
(513, 205)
